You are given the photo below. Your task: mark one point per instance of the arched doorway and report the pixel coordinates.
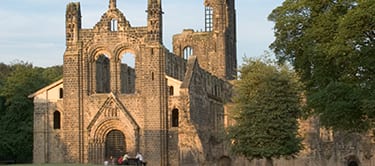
(353, 163)
(352, 160)
(225, 161)
(115, 144)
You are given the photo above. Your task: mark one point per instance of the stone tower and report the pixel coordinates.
(124, 91)
(215, 48)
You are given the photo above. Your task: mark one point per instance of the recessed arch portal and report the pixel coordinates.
(99, 130)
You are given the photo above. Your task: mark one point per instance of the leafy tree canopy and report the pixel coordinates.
(16, 112)
(331, 44)
(266, 106)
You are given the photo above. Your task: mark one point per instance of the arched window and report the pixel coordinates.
(56, 120)
(102, 74)
(127, 75)
(188, 51)
(171, 91)
(175, 118)
(114, 25)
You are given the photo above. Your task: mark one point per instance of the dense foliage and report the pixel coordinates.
(17, 81)
(266, 106)
(331, 44)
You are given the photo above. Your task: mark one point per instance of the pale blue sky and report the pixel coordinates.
(34, 30)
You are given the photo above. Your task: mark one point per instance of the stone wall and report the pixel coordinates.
(323, 147)
(202, 120)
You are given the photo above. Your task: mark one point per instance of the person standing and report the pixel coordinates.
(139, 158)
(125, 159)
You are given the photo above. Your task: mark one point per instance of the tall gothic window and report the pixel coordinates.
(208, 18)
(56, 120)
(188, 51)
(127, 76)
(102, 74)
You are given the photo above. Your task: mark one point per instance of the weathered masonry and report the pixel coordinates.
(124, 91)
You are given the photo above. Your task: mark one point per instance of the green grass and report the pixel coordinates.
(54, 165)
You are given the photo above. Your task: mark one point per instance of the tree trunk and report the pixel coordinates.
(269, 161)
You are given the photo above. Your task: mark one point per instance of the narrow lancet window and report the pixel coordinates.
(188, 51)
(175, 118)
(61, 93)
(171, 91)
(56, 120)
(114, 25)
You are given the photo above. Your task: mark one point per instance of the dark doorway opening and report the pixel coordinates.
(353, 163)
(115, 145)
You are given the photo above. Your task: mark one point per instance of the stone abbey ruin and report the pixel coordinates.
(168, 105)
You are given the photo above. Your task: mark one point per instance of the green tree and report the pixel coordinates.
(16, 116)
(4, 73)
(266, 106)
(53, 73)
(331, 44)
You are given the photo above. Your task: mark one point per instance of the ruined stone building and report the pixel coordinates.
(124, 91)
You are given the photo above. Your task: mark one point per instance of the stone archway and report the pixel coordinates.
(352, 160)
(115, 144)
(353, 163)
(225, 161)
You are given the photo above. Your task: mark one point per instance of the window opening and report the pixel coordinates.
(61, 93)
(102, 74)
(188, 51)
(208, 18)
(175, 118)
(56, 120)
(114, 25)
(171, 91)
(127, 75)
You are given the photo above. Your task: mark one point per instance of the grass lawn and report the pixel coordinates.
(54, 165)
